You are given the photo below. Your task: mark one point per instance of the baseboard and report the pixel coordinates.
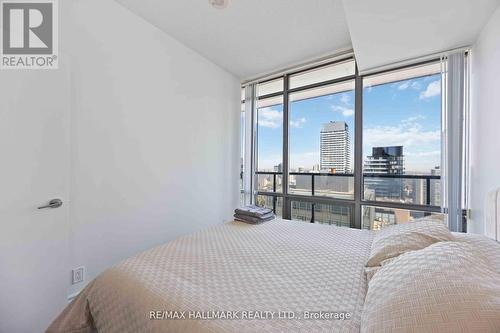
(73, 296)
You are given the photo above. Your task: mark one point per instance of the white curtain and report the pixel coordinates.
(455, 102)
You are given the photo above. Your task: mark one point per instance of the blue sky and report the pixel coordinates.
(404, 113)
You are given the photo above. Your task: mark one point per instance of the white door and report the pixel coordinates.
(34, 164)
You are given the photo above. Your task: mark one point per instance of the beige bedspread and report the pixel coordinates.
(275, 272)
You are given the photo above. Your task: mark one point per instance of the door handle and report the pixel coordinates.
(54, 203)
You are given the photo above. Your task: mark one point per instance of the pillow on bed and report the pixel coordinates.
(446, 287)
(370, 271)
(396, 239)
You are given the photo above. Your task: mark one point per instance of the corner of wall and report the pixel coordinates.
(485, 102)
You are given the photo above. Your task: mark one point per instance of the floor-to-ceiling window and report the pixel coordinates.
(402, 114)
(269, 143)
(333, 147)
(321, 143)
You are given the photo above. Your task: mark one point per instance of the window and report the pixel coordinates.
(402, 136)
(336, 148)
(269, 144)
(321, 213)
(269, 115)
(270, 134)
(320, 136)
(321, 130)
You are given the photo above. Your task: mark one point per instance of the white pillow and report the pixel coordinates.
(446, 287)
(370, 271)
(396, 239)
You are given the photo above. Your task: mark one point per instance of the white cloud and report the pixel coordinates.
(346, 112)
(416, 85)
(404, 85)
(297, 123)
(408, 134)
(431, 153)
(408, 84)
(433, 89)
(392, 136)
(420, 144)
(345, 98)
(412, 120)
(270, 118)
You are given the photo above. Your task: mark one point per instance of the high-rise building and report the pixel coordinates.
(436, 187)
(419, 189)
(335, 150)
(385, 161)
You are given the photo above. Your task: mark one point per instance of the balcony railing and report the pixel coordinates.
(427, 179)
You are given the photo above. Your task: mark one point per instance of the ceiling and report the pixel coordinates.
(387, 31)
(251, 37)
(254, 37)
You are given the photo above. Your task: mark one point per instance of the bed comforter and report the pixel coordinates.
(280, 276)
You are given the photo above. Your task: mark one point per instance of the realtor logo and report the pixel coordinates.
(29, 34)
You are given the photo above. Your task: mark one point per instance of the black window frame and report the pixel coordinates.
(356, 204)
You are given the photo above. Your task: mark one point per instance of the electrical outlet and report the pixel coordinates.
(78, 275)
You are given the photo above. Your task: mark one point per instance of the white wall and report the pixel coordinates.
(155, 136)
(154, 145)
(485, 119)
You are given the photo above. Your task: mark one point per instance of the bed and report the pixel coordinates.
(280, 276)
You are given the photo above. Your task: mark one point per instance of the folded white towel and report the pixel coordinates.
(252, 219)
(253, 210)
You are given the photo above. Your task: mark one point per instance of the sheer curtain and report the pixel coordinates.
(454, 138)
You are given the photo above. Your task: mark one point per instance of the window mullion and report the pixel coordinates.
(287, 214)
(358, 150)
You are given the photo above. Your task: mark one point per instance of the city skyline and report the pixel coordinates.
(406, 113)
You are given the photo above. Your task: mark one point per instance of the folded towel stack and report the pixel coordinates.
(253, 214)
